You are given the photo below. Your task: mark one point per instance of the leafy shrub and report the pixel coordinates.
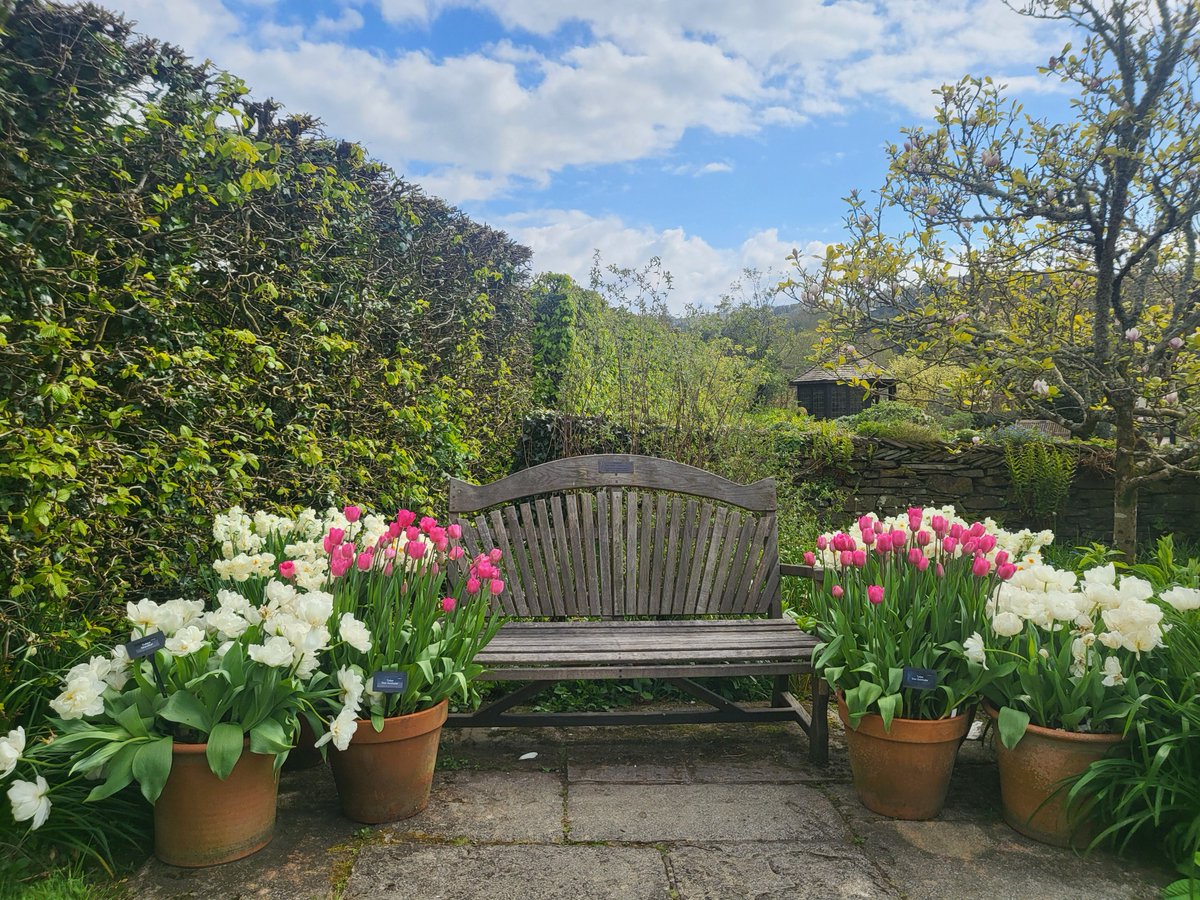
(909, 432)
(1041, 474)
(889, 412)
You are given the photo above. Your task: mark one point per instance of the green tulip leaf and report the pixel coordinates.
(225, 743)
(151, 766)
(1012, 724)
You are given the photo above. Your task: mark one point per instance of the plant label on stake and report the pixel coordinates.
(148, 645)
(389, 682)
(919, 679)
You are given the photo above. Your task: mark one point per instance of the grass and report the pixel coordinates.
(68, 882)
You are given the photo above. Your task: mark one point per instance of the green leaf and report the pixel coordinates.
(889, 705)
(185, 709)
(131, 720)
(120, 773)
(151, 766)
(225, 743)
(268, 736)
(859, 698)
(1012, 724)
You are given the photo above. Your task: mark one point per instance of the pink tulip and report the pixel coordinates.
(922, 563)
(473, 585)
(388, 569)
(940, 570)
(949, 544)
(868, 537)
(456, 553)
(837, 591)
(352, 513)
(287, 569)
(1001, 557)
(389, 553)
(923, 537)
(940, 525)
(859, 557)
(956, 531)
(496, 586)
(915, 515)
(846, 558)
(338, 566)
(455, 531)
(822, 542)
(987, 542)
(978, 530)
(448, 604)
(980, 567)
(333, 539)
(393, 531)
(364, 560)
(415, 549)
(428, 523)
(495, 554)
(875, 593)
(1005, 571)
(412, 532)
(810, 558)
(405, 517)
(866, 523)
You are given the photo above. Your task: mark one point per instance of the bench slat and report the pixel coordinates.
(646, 602)
(514, 590)
(605, 554)
(695, 560)
(713, 548)
(562, 555)
(631, 553)
(644, 670)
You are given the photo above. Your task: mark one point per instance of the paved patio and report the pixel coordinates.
(685, 812)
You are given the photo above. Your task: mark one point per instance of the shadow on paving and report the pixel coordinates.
(699, 811)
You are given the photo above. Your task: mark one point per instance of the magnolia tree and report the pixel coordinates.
(1054, 263)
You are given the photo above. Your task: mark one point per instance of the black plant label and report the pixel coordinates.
(147, 645)
(389, 682)
(919, 679)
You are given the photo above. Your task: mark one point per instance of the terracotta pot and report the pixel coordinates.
(304, 755)
(384, 776)
(200, 820)
(1031, 774)
(903, 773)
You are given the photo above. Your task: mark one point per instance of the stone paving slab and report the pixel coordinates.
(782, 870)
(651, 813)
(515, 872)
(312, 838)
(491, 806)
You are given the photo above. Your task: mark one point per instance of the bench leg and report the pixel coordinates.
(818, 735)
(781, 686)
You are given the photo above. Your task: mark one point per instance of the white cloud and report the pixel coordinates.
(648, 73)
(565, 240)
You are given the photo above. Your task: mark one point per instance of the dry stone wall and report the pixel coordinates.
(886, 476)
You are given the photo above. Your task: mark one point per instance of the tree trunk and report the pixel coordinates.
(1125, 487)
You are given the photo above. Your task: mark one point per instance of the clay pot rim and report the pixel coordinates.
(401, 727)
(186, 747)
(933, 731)
(1083, 737)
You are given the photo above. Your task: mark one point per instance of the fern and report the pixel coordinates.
(1041, 475)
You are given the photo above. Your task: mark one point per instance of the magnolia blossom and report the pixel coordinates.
(11, 748)
(276, 652)
(973, 647)
(1041, 388)
(82, 696)
(354, 633)
(30, 801)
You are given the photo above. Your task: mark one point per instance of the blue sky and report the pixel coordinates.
(715, 134)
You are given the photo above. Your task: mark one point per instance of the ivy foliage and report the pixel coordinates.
(204, 301)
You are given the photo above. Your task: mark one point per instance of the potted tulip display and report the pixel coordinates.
(1073, 650)
(900, 611)
(199, 709)
(409, 616)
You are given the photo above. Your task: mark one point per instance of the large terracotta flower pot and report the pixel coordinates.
(200, 820)
(305, 754)
(386, 775)
(903, 773)
(1032, 773)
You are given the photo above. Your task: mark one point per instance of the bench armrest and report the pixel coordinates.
(796, 571)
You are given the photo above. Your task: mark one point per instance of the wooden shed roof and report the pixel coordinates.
(850, 370)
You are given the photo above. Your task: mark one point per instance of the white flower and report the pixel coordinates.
(1006, 624)
(352, 685)
(186, 641)
(144, 614)
(118, 672)
(11, 748)
(276, 651)
(1112, 672)
(314, 607)
(82, 696)
(973, 646)
(1182, 598)
(354, 633)
(341, 729)
(29, 801)
(1041, 388)
(225, 622)
(308, 664)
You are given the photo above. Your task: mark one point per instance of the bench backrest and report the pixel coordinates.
(618, 535)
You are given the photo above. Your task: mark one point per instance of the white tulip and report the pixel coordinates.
(276, 652)
(186, 641)
(82, 696)
(29, 801)
(1112, 672)
(1006, 624)
(11, 748)
(341, 730)
(1182, 598)
(354, 633)
(973, 647)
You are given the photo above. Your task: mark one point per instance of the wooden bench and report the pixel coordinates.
(645, 568)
